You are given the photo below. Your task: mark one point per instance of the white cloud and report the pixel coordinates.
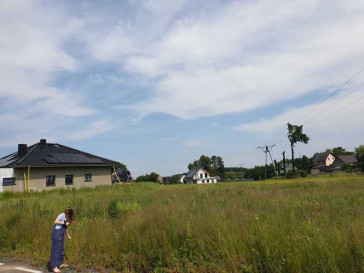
(335, 116)
(92, 130)
(249, 55)
(32, 55)
(192, 142)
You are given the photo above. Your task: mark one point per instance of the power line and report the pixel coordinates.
(331, 94)
(341, 109)
(334, 103)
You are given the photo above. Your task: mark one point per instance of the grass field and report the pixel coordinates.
(303, 225)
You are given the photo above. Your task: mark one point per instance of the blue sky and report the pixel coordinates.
(155, 84)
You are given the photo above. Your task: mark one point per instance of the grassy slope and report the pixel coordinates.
(306, 225)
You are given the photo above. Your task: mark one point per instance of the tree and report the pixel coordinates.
(218, 166)
(305, 163)
(215, 165)
(121, 166)
(337, 151)
(176, 179)
(295, 135)
(359, 153)
(153, 177)
(203, 162)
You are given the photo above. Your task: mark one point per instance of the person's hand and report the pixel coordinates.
(68, 223)
(69, 237)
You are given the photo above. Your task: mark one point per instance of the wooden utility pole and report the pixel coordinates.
(277, 167)
(266, 149)
(284, 162)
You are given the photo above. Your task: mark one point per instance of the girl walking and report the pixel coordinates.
(61, 223)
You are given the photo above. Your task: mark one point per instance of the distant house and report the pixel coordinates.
(123, 176)
(324, 159)
(167, 179)
(322, 163)
(199, 176)
(327, 163)
(289, 167)
(345, 159)
(51, 165)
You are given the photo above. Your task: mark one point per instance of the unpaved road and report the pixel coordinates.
(17, 268)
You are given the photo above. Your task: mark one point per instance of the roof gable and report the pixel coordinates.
(193, 171)
(53, 154)
(321, 157)
(349, 159)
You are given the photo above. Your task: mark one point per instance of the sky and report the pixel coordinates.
(155, 84)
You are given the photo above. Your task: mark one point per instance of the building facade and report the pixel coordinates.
(45, 166)
(199, 176)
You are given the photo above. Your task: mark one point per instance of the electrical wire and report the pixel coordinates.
(331, 94)
(341, 109)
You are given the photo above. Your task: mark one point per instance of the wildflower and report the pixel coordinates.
(256, 218)
(76, 223)
(31, 213)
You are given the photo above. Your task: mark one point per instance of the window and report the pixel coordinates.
(50, 180)
(201, 175)
(69, 179)
(87, 177)
(9, 181)
(205, 175)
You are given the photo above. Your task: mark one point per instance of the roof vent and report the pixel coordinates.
(43, 141)
(22, 149)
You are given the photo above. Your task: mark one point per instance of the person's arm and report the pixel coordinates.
(59, 222)
(68, 235)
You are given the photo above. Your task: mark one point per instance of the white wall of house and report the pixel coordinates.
(202, 173)
(182, 179)
(329, 160)
(5, 173)
(206, 181)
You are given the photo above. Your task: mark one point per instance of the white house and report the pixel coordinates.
(199, 176)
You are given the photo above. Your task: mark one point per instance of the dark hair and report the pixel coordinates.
(69, 214)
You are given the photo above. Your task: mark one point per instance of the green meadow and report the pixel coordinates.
(303, 225)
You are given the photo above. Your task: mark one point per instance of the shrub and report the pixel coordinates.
(112, 210)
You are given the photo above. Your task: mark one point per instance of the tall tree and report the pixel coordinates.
(295, 135)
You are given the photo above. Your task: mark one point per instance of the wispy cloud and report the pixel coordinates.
(249, 57)
(330, 117)
(192, 142)
(92, 130)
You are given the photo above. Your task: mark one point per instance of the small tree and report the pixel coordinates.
(359, 153)
(295, 135)
(176, 179)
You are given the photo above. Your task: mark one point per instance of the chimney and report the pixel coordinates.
(22, 149)
(43, 141)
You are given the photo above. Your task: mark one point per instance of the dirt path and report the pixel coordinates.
(17, 268)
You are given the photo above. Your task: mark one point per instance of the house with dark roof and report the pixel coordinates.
(45, 165)
(322, 163)
(199, 176)
(345, 159)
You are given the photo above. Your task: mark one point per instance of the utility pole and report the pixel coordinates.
(266, 149)
(284, 162)
(277, 167)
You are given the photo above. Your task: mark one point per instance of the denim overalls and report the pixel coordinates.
(57, 254)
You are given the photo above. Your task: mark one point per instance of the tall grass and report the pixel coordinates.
(306, 225)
